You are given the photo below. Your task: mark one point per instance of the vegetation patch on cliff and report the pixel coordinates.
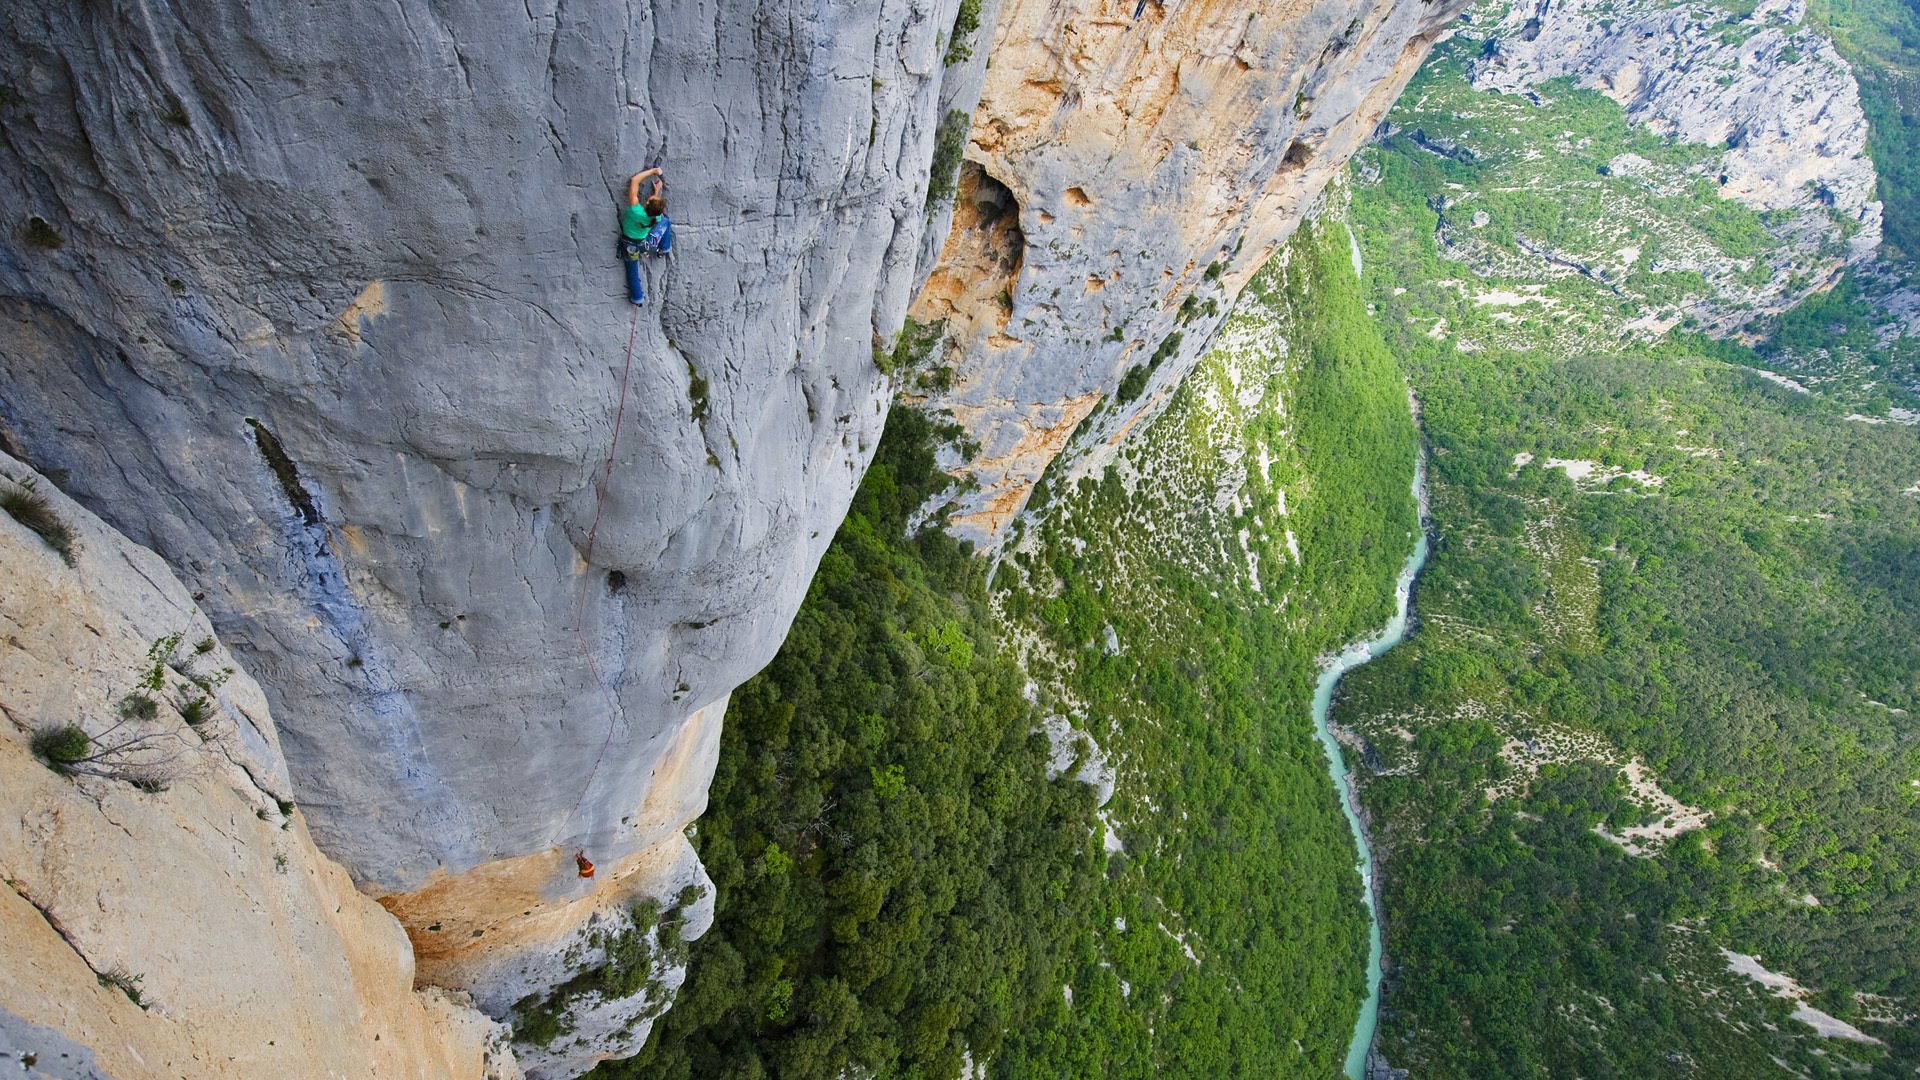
(899, 881)
(1172, 608)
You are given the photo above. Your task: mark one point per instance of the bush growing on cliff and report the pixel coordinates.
(29, 507)
(965, 21)
(62, 747)
(949, 146)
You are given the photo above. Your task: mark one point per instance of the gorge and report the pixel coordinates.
(891, 649)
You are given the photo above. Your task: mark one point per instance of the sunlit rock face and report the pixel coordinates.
(1129, 167)
(324, 306)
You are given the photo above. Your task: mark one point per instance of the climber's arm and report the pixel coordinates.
(633, 186)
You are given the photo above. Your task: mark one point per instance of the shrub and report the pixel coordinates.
(197, 712)
(30, 508)
(776, 862)
(965, 22)
(62, 747)
(41, 235)
(138, 706)
(126, 984)
(890, 782)
(949, 146)
(780, 1000)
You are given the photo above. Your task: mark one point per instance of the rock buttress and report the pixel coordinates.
(322, 304)
(164, 907)
(1136, 172)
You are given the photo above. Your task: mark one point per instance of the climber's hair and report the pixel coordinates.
(656, 205)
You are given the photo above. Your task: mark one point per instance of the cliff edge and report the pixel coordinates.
(165, 913)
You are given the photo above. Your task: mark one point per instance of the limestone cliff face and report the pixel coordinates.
(322, 304)
(1129, 167)
(173, 867)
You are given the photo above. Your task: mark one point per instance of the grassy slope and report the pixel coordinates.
(1542, 175)
(1235, 847)
(1747, 628)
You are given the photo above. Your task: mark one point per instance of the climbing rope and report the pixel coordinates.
(586, 579)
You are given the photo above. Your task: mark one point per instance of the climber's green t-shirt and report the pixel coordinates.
(635, 221)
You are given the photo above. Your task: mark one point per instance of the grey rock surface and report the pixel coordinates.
(41, 1053)
(1127, 175)
(321, 303)
(1774, 93)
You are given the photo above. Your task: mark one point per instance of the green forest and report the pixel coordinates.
(903, 888)
(899, 882)
(1230, 936)
(1645, 550)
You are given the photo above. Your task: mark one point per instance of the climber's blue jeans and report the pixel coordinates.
(635, 292)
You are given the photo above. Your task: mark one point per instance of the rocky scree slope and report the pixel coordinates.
(165, 913)
(1124, 179)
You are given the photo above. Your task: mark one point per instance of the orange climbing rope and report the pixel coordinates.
(586, 578)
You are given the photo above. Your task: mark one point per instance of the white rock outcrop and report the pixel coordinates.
(165, 913)
(1776, 95)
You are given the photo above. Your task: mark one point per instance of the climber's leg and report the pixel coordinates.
(635, 292)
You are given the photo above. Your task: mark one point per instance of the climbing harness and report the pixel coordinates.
(580, 610)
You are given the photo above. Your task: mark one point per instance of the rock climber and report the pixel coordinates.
(644, 228)
(580, 857)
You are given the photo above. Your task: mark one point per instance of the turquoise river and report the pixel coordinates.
(1353, 657)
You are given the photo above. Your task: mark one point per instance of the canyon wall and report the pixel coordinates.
(323, 307)
(1772, 91)
(165, 913)
(1130, 166)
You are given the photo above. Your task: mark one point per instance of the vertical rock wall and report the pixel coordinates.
(164, 911)
(321, 302)
(1130, 166)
